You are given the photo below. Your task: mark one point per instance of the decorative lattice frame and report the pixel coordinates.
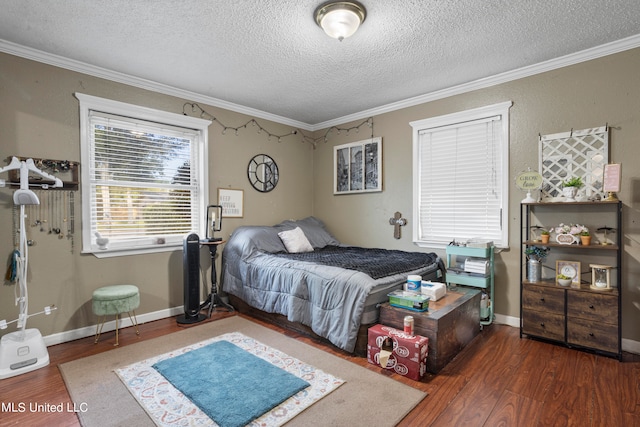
(581, 153)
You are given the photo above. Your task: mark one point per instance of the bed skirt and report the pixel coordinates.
(281, 321)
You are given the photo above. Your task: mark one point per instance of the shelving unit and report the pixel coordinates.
(575, 315)
(67, 170)
(456, 256)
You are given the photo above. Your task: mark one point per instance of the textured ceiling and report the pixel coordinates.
(269, 55)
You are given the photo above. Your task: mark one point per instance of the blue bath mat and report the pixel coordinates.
(229, 384)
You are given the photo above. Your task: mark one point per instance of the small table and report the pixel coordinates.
(213, 300)
(450, 324)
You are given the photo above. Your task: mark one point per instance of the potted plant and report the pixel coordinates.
(585, 237)
(544, 236)
(570, 188)
(535, 256)
(563, 280)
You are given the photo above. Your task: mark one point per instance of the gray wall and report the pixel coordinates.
(39, 118)
(587, 95)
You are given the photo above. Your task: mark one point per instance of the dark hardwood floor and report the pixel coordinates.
(498, 380)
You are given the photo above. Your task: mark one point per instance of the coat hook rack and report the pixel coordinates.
(64, 168)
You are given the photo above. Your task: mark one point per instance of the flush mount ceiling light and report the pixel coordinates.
(340, 19)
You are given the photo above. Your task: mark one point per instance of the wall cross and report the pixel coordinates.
(397, 221)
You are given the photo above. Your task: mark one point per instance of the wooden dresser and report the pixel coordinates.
(592, 320)
(576, 317)
(543, 312)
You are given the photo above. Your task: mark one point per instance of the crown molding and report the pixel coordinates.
(542, 67)
(103, 73)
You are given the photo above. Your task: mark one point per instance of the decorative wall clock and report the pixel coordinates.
(263, 173)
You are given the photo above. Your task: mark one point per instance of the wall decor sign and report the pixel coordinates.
(357, 167)
(578, 153)
(232, 202)
(565, 239)
(612, 173)
(529, 181)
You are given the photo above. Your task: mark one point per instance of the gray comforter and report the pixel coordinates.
(328, 299)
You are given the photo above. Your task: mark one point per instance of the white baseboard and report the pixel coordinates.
(629, 346)
(125, 322)
(508, 320)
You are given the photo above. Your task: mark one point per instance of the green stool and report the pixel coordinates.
(115, 299)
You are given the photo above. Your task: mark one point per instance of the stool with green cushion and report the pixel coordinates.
(115, 300)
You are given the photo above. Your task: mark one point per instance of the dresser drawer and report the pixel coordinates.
(601, 308)
(543, 325)
(586, 333)
(540, 298)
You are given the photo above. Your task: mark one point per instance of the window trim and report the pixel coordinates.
(499, 109)
(88, 103)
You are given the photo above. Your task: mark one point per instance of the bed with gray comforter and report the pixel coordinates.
(332, 289)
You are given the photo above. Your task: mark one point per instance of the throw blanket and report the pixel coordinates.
(375, 262)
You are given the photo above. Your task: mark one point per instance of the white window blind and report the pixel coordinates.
(144, 183)
(460, 177)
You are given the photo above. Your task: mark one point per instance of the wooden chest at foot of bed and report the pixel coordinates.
(450, 324)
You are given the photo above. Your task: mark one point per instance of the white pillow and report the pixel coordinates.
(295, 241)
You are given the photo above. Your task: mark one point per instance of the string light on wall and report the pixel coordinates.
(338, 130)
(202, 113)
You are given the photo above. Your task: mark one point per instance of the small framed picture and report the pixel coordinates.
(570, 269)
(232, 202)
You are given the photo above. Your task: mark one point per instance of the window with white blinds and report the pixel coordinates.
(460, 177)
(144, 177)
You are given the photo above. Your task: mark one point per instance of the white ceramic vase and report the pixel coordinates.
(569, 193)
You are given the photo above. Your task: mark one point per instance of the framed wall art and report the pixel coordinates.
(357, 167)
(232, 202)
(570, 269)
(578, 153)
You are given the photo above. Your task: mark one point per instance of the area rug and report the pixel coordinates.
(366, 397)
(233, 374)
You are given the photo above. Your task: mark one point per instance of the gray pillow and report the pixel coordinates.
(250, 238)
(313, 228)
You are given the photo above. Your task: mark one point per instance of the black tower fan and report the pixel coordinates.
(191, 280)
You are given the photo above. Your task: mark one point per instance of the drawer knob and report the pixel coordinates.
(591, 334)
(591, 307)
(542, 324)
(541, 299)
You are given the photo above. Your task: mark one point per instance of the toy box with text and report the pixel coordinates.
(405, 354)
